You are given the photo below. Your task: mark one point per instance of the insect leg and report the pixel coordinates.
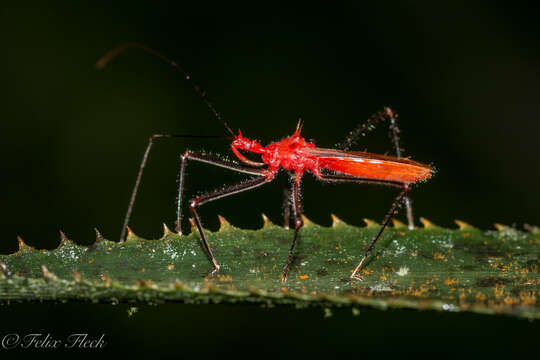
(218, 194)
(393, 209)
(286, 207)
(298, 223)
(141, 170)
(394, 134)
(386, 114)
(212, 160)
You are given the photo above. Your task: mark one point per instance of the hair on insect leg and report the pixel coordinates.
(142, 166)
(391, 117)
(393, 210)
(286, 207)
(298, 222)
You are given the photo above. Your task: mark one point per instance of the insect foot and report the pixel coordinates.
(214, 271)
(356, 277)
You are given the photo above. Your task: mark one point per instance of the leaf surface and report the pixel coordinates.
(492, 272)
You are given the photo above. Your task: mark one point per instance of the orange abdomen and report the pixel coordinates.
(377, 167)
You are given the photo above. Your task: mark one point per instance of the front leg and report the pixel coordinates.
(212, 160)
(141, 171)
(218, 194)
(264, 176)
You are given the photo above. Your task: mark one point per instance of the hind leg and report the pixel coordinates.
(391, 117)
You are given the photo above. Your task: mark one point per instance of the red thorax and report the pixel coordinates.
(287, 153)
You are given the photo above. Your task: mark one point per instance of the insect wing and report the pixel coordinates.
(371, 166)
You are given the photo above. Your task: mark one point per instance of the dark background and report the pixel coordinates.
(463, 76)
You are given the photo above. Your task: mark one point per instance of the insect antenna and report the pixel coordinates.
(110, 55)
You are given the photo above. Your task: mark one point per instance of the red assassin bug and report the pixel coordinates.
(296, 155)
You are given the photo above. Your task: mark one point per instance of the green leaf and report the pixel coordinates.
(491, 272)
